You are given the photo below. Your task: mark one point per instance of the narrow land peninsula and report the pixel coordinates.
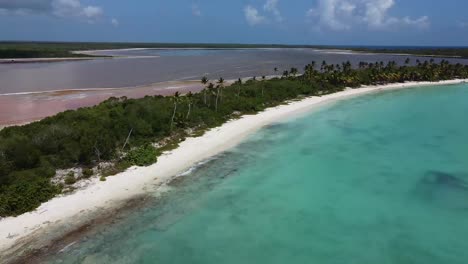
(115, 136)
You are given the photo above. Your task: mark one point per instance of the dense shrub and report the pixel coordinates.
(30, 154)
(142, 156)
(70, 178)
(87, 173)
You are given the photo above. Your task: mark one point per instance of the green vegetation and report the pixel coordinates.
(87, 173)
(427, 51)
(121, 130)
(142, 156)
(70, 179)
(10, 50)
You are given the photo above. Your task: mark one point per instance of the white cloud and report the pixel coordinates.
(59, 8)
(344, 14)
(272, 7)
(196, 10)
(115, 22)
(253, 17)
(92, 12)
(74, 8)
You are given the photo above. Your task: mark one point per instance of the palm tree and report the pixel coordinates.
(347, 66)
(175, 99)
(189, 99)
(219, 87)
(263, 83)
(217, 96)
(307, 71)
(211, 91)
(293, 71)
(204, 81)
(324, 64)
(239, 86)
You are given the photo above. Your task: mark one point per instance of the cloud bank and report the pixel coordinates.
(58, 8)
(272, 7)
(253, 17)
(345, 14)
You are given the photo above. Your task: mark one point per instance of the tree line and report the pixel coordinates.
(130, 132)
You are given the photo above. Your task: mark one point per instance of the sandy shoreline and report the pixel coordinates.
(69, 210)
(44, 60)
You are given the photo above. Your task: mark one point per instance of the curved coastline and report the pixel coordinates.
(98, 197)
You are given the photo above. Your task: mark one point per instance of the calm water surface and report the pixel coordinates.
(376, 179)
(171, 65)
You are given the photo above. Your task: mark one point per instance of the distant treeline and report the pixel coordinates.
(64, 49)
(128, 132)
(429, 52)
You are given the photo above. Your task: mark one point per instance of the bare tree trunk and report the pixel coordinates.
(216, 102)
(220, 94)
(173, 115)
(98, 153)
(128, 137)
(189, 109)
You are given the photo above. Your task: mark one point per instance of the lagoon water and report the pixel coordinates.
(380, 178)
(143, 67)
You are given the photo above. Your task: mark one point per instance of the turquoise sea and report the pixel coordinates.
(381, 178)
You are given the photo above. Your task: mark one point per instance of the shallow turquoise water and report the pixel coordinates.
(375, 179)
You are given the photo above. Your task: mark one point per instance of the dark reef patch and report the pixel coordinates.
(444, 190)
(439, 178)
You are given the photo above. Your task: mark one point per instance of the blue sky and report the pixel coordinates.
(334, 22)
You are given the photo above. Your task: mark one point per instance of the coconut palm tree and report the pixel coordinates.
(323, 66)
(175, 100)
(293, 71)
(219, 87)
(239, 86)
(204, 81)
(211, 91)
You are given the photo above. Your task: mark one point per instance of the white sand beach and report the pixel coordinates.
(140, 180)
(38, 60)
